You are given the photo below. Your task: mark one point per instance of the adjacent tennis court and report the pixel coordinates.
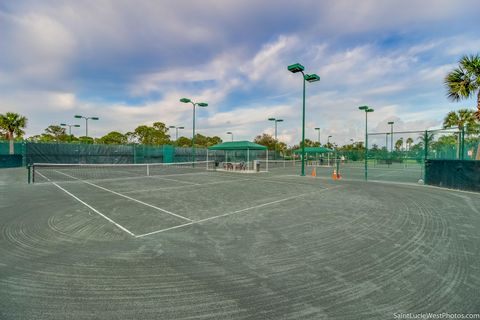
(189, 242)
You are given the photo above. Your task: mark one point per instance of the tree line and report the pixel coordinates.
(156, 134)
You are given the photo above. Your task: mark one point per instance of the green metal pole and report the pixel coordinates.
(275, 149)
(29, 174)
(193, 137)
(391, 138)
(366, 146)
(462, 144)
(425, 157)
(303, 129)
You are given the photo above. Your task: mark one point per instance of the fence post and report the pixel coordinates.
(462, 144)
(425, 150)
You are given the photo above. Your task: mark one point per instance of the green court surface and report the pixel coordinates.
(219, 245)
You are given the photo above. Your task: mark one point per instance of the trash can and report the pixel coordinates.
(256, 165)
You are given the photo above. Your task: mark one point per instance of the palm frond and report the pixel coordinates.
(459, 84)
(471, 64)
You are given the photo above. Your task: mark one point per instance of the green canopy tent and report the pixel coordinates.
(242, 150)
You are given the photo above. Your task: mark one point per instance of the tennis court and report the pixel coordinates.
(192, 243)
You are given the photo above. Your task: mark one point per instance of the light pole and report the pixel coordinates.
(328, 141)
(275, 149)
(231, 133)
(200, 104)
(294, 68)
(319, 144)
(391, 135)
(86, 122)
(367, 109)
(176, 131)
(70, 127)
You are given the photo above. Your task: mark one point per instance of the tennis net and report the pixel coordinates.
(55, 172)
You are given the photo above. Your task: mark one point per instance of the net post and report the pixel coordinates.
(29, 173)
(207, 160)
(148, 169)
(267, 161)
(33, 173)
(134, 154)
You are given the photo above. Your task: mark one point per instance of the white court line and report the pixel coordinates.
(186, 182)
(233, 212)
(89, 206)
(182, 187)
(129, 198)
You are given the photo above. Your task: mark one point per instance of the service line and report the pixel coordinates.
(234, 212)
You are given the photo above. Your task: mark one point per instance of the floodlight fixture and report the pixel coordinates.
(312, 77)
(200, 104)
(297, 67)
(86, 121)
(367, 109)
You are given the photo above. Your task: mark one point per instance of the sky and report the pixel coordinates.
(129, 63)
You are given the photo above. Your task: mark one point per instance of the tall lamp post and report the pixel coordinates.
(231, 133)
(200, 104)
(318, 129)
(294, 68)
(70, 127)
(276, 121)
(367, 109)
(391, 135)
(86, 121)
(328, 141)
(176, 131)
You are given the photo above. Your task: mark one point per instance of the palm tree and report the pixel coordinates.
(464, 82)
(12, 124)
(463, 119)
(399, 144)
(409, 142)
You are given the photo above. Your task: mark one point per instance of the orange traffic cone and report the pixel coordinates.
(334, 174)
(314, 172)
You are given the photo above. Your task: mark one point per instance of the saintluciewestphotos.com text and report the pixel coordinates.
(444, 315)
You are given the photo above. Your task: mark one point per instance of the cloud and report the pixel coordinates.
(129, 63)
(39, 48)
